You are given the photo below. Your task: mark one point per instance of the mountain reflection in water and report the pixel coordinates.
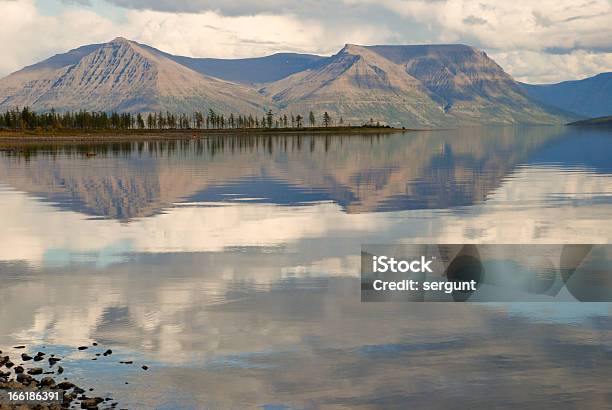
(426, 170)
(230, 265)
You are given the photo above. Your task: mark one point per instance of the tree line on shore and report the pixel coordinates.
(27, 119)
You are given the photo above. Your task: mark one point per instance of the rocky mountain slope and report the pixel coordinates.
(413, 86)
(123, 76)
(590, 97)
(437, 85)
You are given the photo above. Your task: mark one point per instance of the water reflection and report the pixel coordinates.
(360, 173)
(231, 266)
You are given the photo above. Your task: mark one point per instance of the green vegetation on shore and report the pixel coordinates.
(27, 121)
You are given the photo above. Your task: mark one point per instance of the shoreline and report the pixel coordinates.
(42, 376)
(148, 135)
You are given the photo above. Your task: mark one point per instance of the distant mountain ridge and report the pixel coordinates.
(415, 86)
(589, 97)
(121, 76)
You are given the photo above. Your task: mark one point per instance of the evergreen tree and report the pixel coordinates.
(326, 119)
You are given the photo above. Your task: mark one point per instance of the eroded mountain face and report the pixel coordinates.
(414, 86)
(123, 76)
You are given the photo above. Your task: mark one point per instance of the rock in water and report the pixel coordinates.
(47, 382)
(65, 385)
(25, 379)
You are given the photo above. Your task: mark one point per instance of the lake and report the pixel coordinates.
(230, 266)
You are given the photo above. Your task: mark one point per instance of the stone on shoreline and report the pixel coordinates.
(25, 379)
(65, 385)
(47, 382)
(91, 403)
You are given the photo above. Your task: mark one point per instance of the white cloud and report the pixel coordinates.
(540, 68)
(519, 24)
(523, 34)
(30, 36)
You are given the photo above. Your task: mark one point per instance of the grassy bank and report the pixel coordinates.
(144, 134)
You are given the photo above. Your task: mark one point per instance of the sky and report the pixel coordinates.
(540, 41)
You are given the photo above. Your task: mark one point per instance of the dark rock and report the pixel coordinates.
(9, 364)
(68, 397)
(145, 367)
(53, 360)
(65, 385)
(60, 370)
(78, 390)
(18, 347)
(108, 352)
(91, 389)
(83, 347)
(4, 360)
(25, 357)
(38, 358)
(97, 354)
(47, 382)
(3, 374)
(24, 378)
(94, 343)
(18, 369)
(127, 362)
(95, 358)
(91, 403)
(40, 354)
(35, 370)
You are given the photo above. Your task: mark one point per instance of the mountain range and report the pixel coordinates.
(413, 86)
(590, 97)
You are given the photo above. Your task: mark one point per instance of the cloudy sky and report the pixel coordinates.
(535, 41)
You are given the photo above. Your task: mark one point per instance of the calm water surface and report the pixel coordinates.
(230, 266)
